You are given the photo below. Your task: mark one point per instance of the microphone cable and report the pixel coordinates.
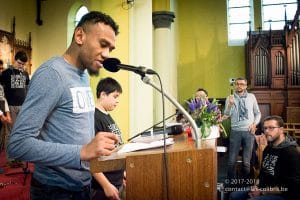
(150, 127)
(165, 156)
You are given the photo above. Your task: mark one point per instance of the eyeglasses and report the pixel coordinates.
(240, 84)
(271, 128)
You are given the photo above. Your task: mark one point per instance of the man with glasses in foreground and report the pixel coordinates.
(279, 177)
(15, 81)
(243, 110)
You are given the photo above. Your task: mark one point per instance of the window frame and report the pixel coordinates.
(267, 24)
(239, 42)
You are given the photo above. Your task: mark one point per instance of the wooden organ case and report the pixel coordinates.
(273, 69)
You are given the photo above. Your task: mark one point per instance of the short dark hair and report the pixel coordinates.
(108, 85)
(241, 79)
(203, 90)
(94, 17)
(21, 55)
(277, 118)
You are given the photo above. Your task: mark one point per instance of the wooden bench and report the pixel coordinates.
(292, 129)
(292, 125)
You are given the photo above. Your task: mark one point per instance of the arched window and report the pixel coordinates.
(80, 12)
(74, 16)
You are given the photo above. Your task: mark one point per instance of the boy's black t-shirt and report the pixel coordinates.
(15, 84)
(104, 122)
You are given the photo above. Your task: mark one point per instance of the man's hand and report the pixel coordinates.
(102, 145)
(252, 128)
(124, 179)
(231, 100)
(8, 118)
(111, 192)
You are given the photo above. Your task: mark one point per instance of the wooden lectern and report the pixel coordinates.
(192, 172)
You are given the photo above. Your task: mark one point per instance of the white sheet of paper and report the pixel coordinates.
(149, 139)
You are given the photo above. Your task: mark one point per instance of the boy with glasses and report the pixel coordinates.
(279, 177)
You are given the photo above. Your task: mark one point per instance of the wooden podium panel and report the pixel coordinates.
(191, 172)
(191, 175)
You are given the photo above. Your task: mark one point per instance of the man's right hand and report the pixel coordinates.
(102, 145)
(231, 100)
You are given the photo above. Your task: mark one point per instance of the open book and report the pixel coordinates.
(135, 146)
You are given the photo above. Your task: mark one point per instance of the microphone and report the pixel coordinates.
(114, 65)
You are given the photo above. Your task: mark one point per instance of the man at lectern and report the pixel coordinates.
(55, 127)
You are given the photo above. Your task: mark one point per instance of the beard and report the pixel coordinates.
(93, 72)
(273, 139)
(240, 91)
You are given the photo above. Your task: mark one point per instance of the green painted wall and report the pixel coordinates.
(257, 14)
(204, 57)
(158, 5)
(120, 15)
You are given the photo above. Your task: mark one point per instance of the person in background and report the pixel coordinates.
(242, 108)
(201, 94)
(55, 127)
(5, 118)
(15, 81)
(108, 184)
(4, 111)
(279, 177)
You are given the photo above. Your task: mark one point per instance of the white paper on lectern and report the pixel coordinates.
(149, 139)
(140, 146)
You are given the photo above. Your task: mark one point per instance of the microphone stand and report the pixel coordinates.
(195, 134)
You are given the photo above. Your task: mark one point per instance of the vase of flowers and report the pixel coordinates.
(207, 116)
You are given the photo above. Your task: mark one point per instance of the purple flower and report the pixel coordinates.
(205, 113)
(194, 104)
(212, 107)
(199, 104)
